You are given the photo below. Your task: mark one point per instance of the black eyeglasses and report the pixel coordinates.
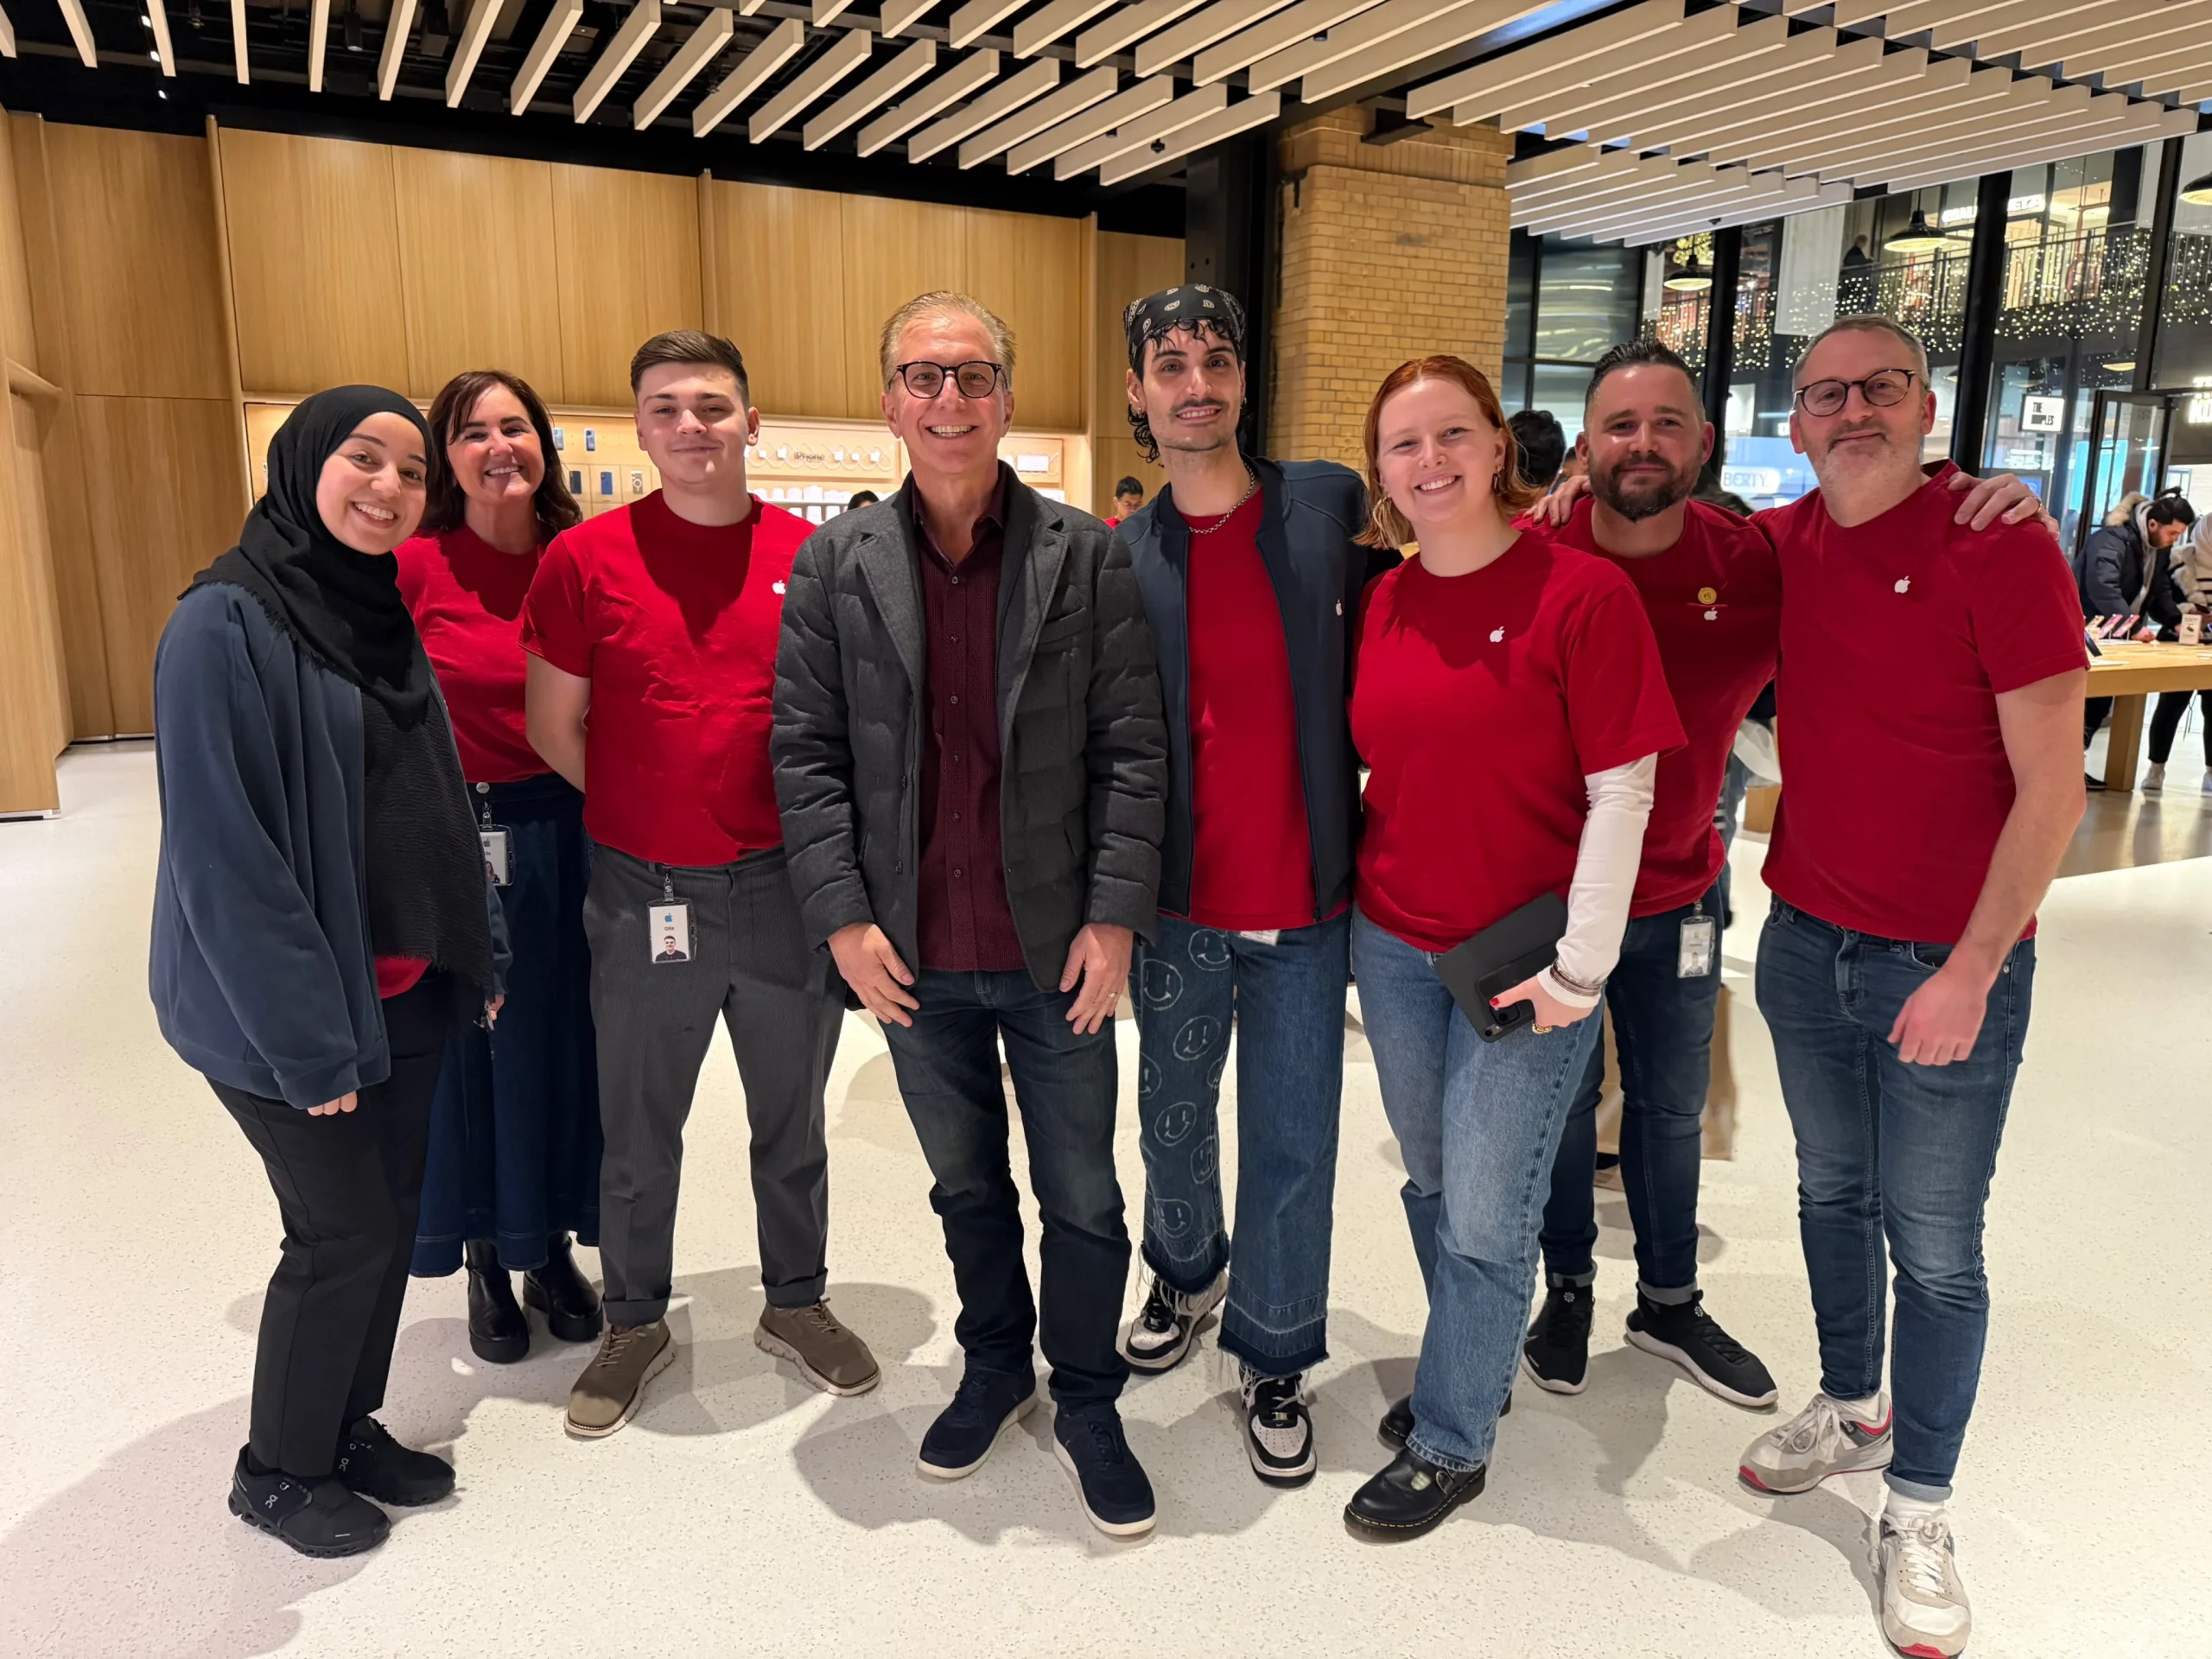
(974, 380)
(1881, 390)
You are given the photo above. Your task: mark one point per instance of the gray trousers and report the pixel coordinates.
(783, 1003)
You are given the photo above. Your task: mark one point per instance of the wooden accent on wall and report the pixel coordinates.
(228, 290)
(34, 692)
(779, 267)
(1130, 267)
(135, 232)
(18, 330)
(626, 259)
(182, 510)
(314, 260)
(1030, 271)
(474, 232)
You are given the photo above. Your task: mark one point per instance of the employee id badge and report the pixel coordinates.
(1694, 960)
(671, 930)
(498, 842)
(1264, 935)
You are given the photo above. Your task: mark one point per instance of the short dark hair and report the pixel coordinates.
(690, 345)
(1129, 486)
(1632, 354)
(862, 499)
(2171, 508)
(1543, 445)
(447, 504)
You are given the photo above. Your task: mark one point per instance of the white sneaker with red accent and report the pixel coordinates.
(1827, 1438)
(1925, 1612)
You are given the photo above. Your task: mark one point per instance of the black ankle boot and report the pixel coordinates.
(498, 1332)
(563, 1294)
(1410, 1497)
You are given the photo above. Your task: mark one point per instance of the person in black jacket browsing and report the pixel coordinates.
(1251, 577)
(322, 918)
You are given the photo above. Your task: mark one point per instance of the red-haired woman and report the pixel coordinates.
(1510, 701)
(514, 1154)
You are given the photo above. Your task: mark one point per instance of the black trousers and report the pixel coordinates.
(348, 1186)
(2165, 721)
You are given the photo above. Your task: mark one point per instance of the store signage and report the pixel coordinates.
(2019, 206)
(1751, 480)
(2197, 411)
(2043, 414)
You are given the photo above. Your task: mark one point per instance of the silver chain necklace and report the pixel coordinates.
(1252, 485)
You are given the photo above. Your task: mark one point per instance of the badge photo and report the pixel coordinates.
(498, 842)
(669, 931)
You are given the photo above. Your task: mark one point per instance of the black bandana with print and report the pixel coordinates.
(1189, 305)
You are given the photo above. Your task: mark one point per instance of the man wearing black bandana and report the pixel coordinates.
(1251, 580)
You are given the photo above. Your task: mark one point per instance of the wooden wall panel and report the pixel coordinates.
(18, 330)
(779, 266)
(1030, 271)
(34, 693)
(135, 234)
(314, 261)
(475, 256)
(182, 455)
(1130, 267)
(626, 259)
(892, 251)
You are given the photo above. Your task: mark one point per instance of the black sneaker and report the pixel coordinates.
(1410, 1497)
(1091, 1448)
(1397, 1425)
(984, 1406)
(316, 1517)
(1167, 1323)
(1556, 1355)
(1693, 1339)
(376, 1466)
(1278, 1429)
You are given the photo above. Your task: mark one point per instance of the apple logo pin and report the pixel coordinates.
(1905, 584)
(1496, 635)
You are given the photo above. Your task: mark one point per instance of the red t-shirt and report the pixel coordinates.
(467, 599)
(675, 624)
(1714, 599)
(1897, 636)
(1480, 703)
(1252, 857)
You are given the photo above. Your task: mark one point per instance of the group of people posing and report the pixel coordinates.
(471, 835)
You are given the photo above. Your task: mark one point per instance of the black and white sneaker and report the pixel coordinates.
(1167, 1323)
(1556, 1355)
(1693, 1339)
(1278, 1429)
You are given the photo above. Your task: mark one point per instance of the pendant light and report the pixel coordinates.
(1918, 236)
(2197, 192)
(1689, 277)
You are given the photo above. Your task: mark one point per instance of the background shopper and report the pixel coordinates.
(322, 921)
(1538, 658)
(1540, 443)
(513, 1163)
(1128, 498)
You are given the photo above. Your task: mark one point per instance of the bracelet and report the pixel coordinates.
(1579, 987)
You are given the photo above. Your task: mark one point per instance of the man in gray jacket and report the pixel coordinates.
(971, 769)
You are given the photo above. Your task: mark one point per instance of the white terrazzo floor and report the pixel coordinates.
(744, 1513)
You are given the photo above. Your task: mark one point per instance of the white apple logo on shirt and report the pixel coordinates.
(1713, 616)
(1496, 635)
(775, 586)
(1904, 583)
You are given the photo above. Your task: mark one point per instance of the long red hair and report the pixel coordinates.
(1385, 525)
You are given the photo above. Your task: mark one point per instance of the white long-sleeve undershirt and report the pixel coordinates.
(1605, 863)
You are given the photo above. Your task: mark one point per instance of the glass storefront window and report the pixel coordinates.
(2185, 353)
(1565, 305)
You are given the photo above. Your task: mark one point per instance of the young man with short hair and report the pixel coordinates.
(1543, 445)
(1251, 579)
(1929, 708)
(969, 764)
(653, 632)
(1128, 499)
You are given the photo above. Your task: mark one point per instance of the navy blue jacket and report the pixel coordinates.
(1309, 512)
(261, 972)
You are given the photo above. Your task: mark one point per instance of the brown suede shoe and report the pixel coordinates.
(827, 1354)
(613, 1386)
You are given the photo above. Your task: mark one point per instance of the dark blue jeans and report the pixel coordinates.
(1663, 1029)
(947, 1067)
(1286, 1000)
(1888, 1152)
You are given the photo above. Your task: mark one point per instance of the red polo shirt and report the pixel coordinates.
(1252, 855)
(467, 599)
(1481, 702)
(1898, 637)
(965, 924)
(1714, 602)
(675, 624)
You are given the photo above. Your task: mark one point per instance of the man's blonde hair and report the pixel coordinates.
(941, 302)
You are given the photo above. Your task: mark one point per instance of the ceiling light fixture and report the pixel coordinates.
(1689, 277)
(2197, 192)
(1918, 236)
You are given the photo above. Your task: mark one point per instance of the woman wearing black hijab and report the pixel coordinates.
(322, 920)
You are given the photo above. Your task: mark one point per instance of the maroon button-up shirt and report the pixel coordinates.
(965, 924)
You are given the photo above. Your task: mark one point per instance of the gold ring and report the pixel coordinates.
(1541, 1030)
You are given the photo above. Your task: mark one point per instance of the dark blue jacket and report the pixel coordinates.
(1309, 512)
(262, 974)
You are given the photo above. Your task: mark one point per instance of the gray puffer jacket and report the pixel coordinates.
(1083, 768)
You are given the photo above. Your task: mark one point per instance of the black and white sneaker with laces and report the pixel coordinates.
(1278, 1429)
(1693, 1339)
(1167, 1323)
(1556, 1355)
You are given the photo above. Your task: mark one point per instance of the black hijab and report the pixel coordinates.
(424, 865)
(342, 604)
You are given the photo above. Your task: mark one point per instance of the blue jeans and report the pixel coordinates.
(1896, 1152)
(1288, 1002)
(1662, 1030)
(947, 1067)
(1477, 1125)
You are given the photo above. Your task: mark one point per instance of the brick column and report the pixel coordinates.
(1389, 251)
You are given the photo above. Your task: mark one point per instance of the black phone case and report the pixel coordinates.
(1500, 957)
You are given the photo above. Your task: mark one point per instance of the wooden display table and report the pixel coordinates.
(2127, 673)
